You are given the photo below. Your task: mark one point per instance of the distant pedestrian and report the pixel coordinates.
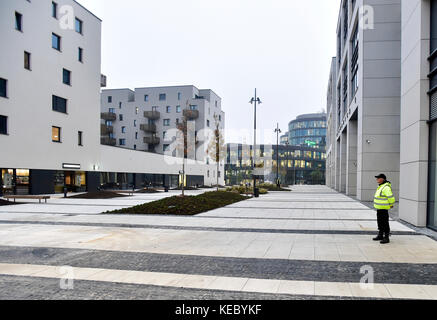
(384, 200)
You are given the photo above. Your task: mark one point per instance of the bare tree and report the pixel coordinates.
(217, 148)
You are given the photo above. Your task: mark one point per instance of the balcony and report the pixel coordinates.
(152, 140)
(108, 141)
(191, 114)
(108, 116)
(105, 130)
(152, 115)
(148, 128)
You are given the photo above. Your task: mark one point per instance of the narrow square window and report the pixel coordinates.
(26, 60)
(207, 123)
(135, 147)
(119, 105)
(135, 123)
(168, 109)
(80, 55)
(54, 10)
(162, 97)
(166, 122)
(120, 116)
(66, 76)
(78, 25)
(136, 135)
(80, 138)
(56, 134)
(122, 142)
(166, 147)
(178, 109)
(137, 110)
(179, 96)
(109, 99)
(3, 87)
(56, 42)
(146, 97)
(3, 125)
(123, 129)
(18, 21)
(59, 104)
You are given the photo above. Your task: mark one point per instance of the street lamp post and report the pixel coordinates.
(255, 100)
(277, 131)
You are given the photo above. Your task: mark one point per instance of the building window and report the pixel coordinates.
(193, 107)
(137, 110)
(79, 25)
(18, 21)
(56, 42)
(122, 142)
(59, 104)
(3, 125)
(207, 123)
(179, 96)
(166, 122)
(168, 109)
(3, 87)
(166, 147)
(111, 110)
(146, 97)
(80, 55)
(109, 99)
(66, 76)
(120, 117)
(123, 129)
(162, 97)
(56, 134)
(178, 109)
(164, 133)
(119, 105)
(135, 147)
(79, 138)
(54, 10)
(136, 135)
(177, 121)
(26, 60)
(135, 123)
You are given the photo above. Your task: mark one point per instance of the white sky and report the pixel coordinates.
(281, 47)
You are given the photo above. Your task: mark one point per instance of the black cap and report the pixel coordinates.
(381, 176)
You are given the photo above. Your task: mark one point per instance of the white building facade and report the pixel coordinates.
(50, 73)
(364, 98)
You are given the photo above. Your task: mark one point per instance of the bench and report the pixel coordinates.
(28, 197)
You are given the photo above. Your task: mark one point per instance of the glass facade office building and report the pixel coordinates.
(308, 130)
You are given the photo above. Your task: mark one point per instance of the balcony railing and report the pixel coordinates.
(152, 140)
(191, 114)
(108, 141)
(152, 115)
(148, 128)
(105, 130)
(108, 116)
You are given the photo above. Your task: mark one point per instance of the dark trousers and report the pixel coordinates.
(383, 221)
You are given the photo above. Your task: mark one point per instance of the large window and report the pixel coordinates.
(18, 21)
(66, 76)
(3, 87)
(56, 42)
(3, 125)
(56, 134)
(59, 104)
(27, 60)
(79, 26)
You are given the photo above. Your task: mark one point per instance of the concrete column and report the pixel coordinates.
(352, 158)
(343, 161)
(337, 165)
(414, 112)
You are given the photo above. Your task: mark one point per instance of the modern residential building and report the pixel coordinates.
(364, 98)
(146, 119)
(297, 164)
(50, 78)
(308, 130)
(284, 140)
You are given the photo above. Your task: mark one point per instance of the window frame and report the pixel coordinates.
(27, 61)
(5, 132)
(55, 104)
(59, 134)
(6, 88)
(18, 21)
(76, 21)
(59, 39)
(64, 73)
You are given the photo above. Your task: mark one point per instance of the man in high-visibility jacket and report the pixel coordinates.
(384, 201)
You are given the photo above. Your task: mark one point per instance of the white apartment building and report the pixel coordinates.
(364, 98)
(50, 73)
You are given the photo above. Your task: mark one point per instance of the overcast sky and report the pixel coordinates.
(281, 47)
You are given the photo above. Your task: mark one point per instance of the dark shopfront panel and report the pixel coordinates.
(432, 183)
(15, 181)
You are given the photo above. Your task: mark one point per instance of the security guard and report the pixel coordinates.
(384, 201)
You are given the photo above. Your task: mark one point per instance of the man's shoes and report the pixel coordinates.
(380, 237)
(386, 239)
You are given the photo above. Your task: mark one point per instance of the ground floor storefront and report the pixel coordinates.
(33, 182)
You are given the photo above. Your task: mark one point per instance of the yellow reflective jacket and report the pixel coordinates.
(384, 198)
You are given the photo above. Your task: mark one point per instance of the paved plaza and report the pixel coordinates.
(312, 243)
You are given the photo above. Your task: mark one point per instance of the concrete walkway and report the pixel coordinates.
(312, 243)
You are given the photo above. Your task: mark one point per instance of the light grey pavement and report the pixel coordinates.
(309, 243)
